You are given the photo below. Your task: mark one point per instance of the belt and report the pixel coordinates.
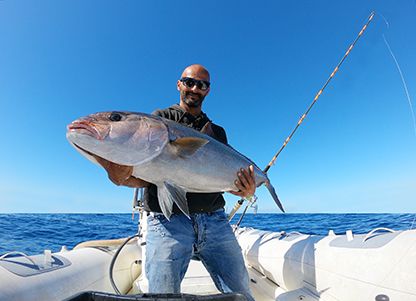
(152, 213)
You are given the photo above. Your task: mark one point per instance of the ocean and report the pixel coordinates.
(33, 233)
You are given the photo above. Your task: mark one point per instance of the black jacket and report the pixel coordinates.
(197, 202)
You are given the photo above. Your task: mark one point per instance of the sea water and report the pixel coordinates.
(33, 233)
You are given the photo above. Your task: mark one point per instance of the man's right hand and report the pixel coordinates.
(121, 174)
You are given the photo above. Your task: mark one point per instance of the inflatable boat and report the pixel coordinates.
(379, 265)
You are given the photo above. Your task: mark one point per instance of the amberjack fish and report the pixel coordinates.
(176, 158)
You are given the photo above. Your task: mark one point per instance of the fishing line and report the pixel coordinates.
(403, 81)
(385, 20)
(400, 72)
(404, 86)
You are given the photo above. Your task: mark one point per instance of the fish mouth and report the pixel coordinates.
(88, 128)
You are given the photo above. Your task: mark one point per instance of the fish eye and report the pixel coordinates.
(115, 116)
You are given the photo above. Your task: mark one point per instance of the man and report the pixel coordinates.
(207, 235)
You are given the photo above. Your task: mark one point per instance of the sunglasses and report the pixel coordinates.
(191, 82)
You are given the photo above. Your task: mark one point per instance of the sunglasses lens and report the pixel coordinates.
(202, 85)
(190, 83)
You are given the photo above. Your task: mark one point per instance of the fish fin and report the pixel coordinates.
(207, 129)
(179, 196)
(170, 193)
(165, 201)
(187, 146)
(274, 195)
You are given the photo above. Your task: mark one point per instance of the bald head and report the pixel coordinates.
(196, 71)
(193, 87)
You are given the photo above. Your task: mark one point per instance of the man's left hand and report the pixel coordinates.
(245, 182)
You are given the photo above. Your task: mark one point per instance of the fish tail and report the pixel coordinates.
(274, 195)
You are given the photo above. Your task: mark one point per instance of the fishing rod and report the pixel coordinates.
(302, 118)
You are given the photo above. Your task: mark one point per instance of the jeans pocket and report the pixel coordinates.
(157, 224)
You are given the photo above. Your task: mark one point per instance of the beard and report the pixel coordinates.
(193, 100)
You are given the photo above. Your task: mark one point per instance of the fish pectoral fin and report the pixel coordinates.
(187, 146)
(169, 193)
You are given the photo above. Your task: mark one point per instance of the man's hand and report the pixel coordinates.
(245, 182)
(121, 174)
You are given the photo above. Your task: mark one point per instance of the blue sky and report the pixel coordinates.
(355, 152)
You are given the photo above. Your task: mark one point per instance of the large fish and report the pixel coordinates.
(176, 158)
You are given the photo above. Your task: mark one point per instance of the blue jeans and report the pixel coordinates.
(170, 245)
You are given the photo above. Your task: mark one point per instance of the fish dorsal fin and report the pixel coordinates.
(187, 146)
